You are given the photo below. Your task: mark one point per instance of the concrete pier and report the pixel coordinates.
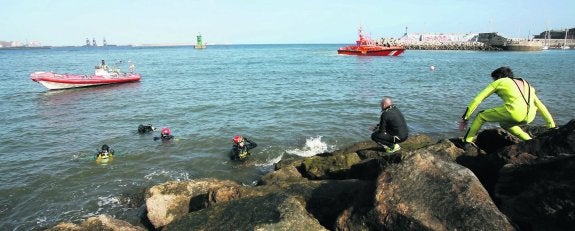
(474, 46)
(417, 41)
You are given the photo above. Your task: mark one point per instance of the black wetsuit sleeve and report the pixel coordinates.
(235, 153)
(382, 123)
(250, 144)
(465, 113)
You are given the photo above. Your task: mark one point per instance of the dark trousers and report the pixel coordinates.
(385, 138)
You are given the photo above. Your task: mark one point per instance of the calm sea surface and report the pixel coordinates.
(290, 99)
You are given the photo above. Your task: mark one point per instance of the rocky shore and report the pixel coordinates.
(427, 185)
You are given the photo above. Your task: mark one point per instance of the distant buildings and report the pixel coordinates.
(556, 34)
(18, 44)
(438, 37)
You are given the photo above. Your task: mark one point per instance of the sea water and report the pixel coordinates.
(290, 99)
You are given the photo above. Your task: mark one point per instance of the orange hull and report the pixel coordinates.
(371, 50)
(367, 47)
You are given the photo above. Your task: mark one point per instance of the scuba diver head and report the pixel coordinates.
(239, 140)
(105, 148)
(105, 151)
(502, 72)
(165, 132)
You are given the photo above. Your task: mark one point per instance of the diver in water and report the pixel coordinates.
(143, 129)
(165, 135)
(240, 150)
(105, 152)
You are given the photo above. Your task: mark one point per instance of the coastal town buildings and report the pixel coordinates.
(13, 44)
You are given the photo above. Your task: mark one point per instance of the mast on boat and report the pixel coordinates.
(565, 47)
(546, 40)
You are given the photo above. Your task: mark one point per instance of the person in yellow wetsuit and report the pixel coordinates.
(105, 154)
(520, 104)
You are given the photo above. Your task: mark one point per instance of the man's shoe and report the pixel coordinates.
(396, 148)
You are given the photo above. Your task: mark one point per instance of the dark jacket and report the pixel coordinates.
(392, 122)
(241, 153)
(145, 128)
(164, 137)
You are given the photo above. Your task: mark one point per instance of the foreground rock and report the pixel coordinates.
(275, 211)
(539, 196)
(427, 192)
(101, 222)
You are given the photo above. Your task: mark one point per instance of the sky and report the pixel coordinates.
(137, 22)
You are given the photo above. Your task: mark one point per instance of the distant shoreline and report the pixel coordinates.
(24, 48)
(419, 46)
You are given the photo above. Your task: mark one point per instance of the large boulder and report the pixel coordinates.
(370, 149)
(171, 200)
(362, 160)
(285, 175)
(329, 166)
(540, 195)
(270, 212)
(491, 140)
(305, 205)
(507, 150)
(427, 192)
(550, 143)
(98, 223)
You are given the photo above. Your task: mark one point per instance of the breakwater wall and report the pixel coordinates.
(476, 46)
(440, 43)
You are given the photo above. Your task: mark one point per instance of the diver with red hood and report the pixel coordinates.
(165, 135)
(240, 150)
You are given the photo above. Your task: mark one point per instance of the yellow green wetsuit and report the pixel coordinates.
(518, 108)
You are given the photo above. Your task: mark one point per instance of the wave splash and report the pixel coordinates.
(312, 147)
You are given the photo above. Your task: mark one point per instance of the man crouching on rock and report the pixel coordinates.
(392, 128)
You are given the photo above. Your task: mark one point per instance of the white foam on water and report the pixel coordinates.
(270, 162)
(111, 201)
(173, 175)
(312, 147)
(41, 220)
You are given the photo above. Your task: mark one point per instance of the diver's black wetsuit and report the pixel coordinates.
(145, 128)
(164, 137)
(392, 128)
(241, 153)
